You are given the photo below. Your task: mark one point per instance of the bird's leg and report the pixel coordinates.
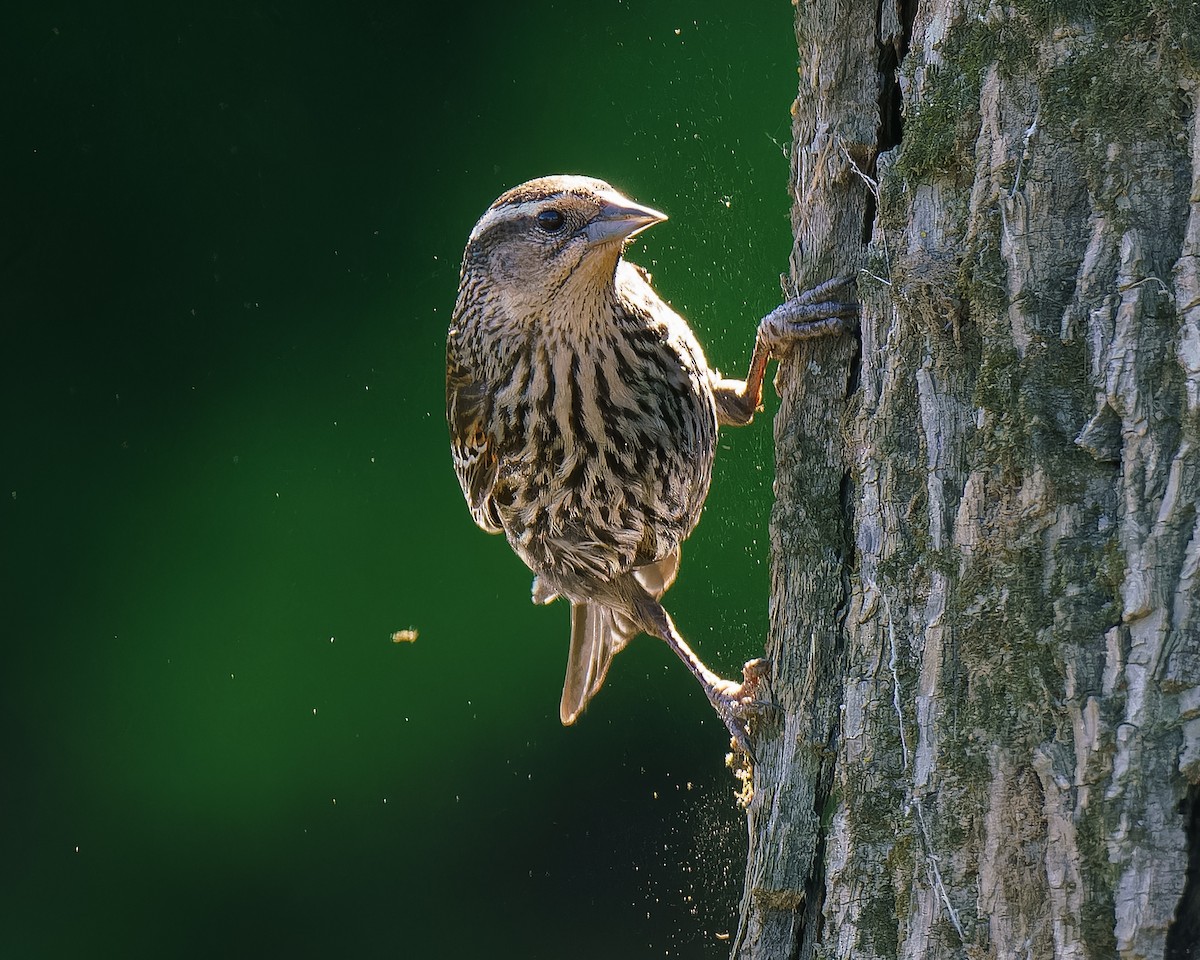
(734, 702)
(812, 314)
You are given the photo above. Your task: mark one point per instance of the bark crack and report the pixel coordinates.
(1183, 935)
(892, 45)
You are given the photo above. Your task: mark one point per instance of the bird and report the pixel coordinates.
(583, 418)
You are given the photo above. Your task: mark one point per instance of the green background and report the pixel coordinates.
(229, 245)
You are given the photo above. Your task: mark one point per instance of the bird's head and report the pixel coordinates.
(553, 237)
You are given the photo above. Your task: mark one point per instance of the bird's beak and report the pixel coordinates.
(620, 219)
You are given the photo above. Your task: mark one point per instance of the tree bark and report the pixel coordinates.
(986, 543)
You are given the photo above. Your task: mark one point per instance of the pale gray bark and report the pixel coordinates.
(986, 543)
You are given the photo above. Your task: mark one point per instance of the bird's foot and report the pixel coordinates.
(821, 292)
(542, 592)
(738, 703)
(823, 311)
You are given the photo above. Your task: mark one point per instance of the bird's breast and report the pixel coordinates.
(606, 449)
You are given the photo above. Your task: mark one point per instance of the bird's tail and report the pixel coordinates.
(598, 633)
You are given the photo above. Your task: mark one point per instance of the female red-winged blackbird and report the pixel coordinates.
(583, 417)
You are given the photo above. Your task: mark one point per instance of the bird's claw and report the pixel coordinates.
(738, 703)
(820, 293)
(809, 315)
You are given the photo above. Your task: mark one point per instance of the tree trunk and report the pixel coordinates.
(986, 544)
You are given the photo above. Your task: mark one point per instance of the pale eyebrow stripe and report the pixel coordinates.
(510, 211)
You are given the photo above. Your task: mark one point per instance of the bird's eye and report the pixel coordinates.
(551, 220)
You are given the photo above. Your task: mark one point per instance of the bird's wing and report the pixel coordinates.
(472, 446)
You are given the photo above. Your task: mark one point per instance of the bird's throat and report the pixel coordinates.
(586, 301)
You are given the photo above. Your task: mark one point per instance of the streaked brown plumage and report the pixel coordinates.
(583, 417)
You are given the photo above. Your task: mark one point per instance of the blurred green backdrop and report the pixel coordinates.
(229, 245)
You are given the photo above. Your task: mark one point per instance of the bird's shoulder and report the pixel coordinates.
(650, 318)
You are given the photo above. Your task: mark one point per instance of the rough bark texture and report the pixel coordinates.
(986, 577)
